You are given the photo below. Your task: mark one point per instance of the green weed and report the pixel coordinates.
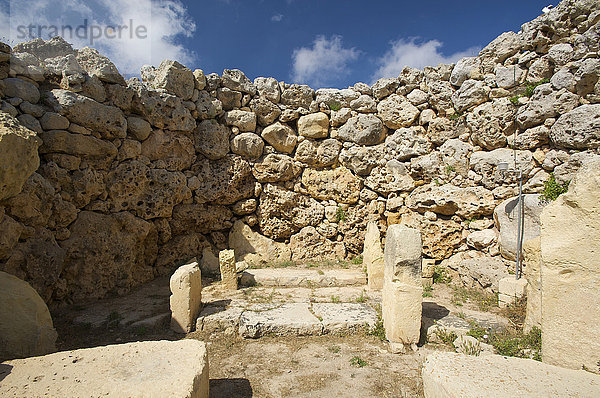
(358, 362)
(553, 189)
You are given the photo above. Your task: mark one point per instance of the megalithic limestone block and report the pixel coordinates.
(571, 273)
(186, 297)
(373, 257)
(402, 287)
(228, 269)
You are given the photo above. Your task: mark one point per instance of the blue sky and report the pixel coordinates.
(324, 43)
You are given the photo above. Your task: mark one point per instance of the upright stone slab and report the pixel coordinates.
(228, 269)
(186, 297)
(427, 271)
(402, 287)
(373, 257)
(570, 237)
(510, 290)
(532, 259)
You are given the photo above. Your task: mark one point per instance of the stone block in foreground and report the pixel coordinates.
(570, 273)
(142, 369)
(451, 375)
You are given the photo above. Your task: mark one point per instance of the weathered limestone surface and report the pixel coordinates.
(402, 287)
(18, 155)
(255, 249)
(186, 297)
(25, 323)
(228, 269)
(451, 375)
(141, 369)
(532, 259)
(280, 320)
(571, 273)
(192, 154)
(373, 257)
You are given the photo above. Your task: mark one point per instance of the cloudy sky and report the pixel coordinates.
(324, 43)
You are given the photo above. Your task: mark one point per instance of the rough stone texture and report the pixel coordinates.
(363, 130)
(282, 320)
(147, 192)
(471, 93)
(451, 375)
(302, 277)
(478, 271)
(545, 103)
(569, 232)
(18, 155)
(491, 122)
(310, 245)
(397, 112)
(106, 120)
(275, 167)
(170, 150)
(244, 120)
(225, 181)
(186, 297)
(248, 145)
(255, 249)
(318, 154)
(578, 129)
(344, 318)
(212, 139)
(506, 217)
(108, 253)
(315, 125)
(532, 259)
(281, 213)
(402, 288)
(175, 78)
(440, 237)
(338, 184)
(471, 202)
(25, 323)
(373, 257)
(281, 137)
(228, 270)
(153, 368)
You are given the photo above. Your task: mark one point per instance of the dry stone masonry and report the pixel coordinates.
(120, 181)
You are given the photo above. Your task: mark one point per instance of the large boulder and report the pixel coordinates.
(506, 216)
(469, 202)
(224, 181)
(248, 145)
(470, 94)
(408, 142)
(578, 129)
(18, 155)
(338, 184)
(170, 150)
(106, 120)
(173, 77)
(25, 323)
(281, 137)
(314, 125)
(397, 112)
(491, 122)
(545, 103)
(363, 130)
(255, 249)
(97, 65)
(96, 152)
(275, 167)
(19, 88)
(149, 368)
(318, 153)
(212, 139)
(570, 231)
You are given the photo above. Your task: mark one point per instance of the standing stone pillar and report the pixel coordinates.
(186, 297)
(571, 273)
(402, 287)
(228, 269)
(373, 257)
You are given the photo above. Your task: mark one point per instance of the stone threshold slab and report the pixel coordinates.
(288, 319)
(302, 277)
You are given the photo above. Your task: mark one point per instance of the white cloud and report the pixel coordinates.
(323, 62)
(277, 18)
(159, 24)
(417, 55)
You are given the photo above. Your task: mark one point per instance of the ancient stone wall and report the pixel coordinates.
(136, 177)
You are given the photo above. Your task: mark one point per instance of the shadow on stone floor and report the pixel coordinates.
(230, 388)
